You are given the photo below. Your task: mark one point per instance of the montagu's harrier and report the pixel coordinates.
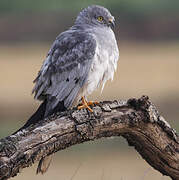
(80, 59)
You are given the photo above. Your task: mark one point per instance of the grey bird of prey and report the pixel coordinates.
(81, 59)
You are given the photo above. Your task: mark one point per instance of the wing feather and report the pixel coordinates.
(66, 68)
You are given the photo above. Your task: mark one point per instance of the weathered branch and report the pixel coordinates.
(137, 120)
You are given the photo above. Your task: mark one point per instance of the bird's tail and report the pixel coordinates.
(42, 112)
(36, 117)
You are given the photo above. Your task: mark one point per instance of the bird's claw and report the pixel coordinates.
(85, 105)
(91, 103)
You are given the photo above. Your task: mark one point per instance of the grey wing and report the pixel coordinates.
(65, 69)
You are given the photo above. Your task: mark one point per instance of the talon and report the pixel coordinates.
(85, 105)
(91, 103)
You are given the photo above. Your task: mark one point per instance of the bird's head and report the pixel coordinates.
(96, 16)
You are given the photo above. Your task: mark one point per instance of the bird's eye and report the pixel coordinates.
(100, 18)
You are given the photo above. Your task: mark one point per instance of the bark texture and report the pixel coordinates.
(137, 120)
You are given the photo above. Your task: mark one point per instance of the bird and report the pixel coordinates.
(81, 59)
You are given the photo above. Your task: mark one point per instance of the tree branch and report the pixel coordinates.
(137, 120)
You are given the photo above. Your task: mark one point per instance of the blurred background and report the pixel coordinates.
(148, 37)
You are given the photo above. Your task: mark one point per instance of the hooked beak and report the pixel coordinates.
(111, 23)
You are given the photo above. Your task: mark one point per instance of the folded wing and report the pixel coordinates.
(65, 69)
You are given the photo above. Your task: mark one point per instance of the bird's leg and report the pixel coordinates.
(85, 105)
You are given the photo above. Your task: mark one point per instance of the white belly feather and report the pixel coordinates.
(102, 69)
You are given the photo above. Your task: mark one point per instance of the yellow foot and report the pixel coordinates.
(85, 105)
(91, 103)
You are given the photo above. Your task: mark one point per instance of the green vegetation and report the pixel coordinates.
(42, 19)
(148, 7)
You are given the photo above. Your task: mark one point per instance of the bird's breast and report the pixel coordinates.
(103, 65)
(102, 69)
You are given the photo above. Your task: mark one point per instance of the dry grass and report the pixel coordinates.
(144, 68)
(150, 69)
